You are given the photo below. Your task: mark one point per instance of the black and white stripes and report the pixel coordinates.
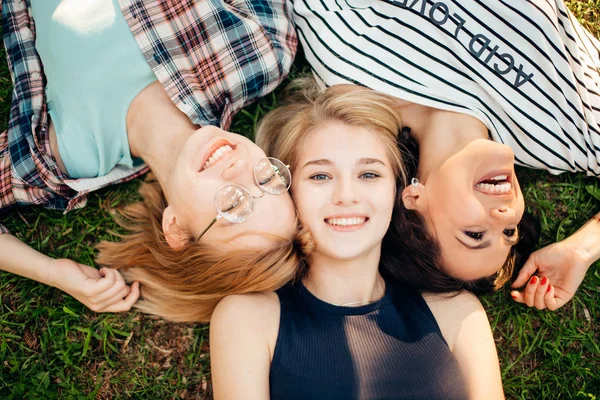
(526, 68)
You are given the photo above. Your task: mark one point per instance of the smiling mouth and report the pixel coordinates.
(217, 152)
(496, 185)
(350, 222)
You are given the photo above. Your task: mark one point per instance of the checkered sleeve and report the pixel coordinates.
(214, 56)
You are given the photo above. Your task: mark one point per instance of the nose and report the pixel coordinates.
(344, 192)
(503, 213)
(242, 173)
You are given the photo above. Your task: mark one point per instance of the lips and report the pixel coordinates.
(216, 152)
(346, 223)
(497, 183)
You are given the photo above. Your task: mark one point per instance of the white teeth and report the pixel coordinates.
(501, 188)
(217, 154)
(499, 178)
(346, 221)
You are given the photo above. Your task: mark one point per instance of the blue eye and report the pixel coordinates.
(369, 175)
(474, 235)
(319, 177)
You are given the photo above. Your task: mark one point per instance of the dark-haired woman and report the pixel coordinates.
(343, 330)
(524, 74)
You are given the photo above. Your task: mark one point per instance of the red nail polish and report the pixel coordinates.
(514, 296)
(533, 280)
(549, 287)
(543, 281)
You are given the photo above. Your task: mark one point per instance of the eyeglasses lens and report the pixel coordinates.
(272, 176)
(234, 203)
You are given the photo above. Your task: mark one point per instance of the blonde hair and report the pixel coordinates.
(185, 285)
(282, 131)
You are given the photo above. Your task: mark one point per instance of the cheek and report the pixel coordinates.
(308, 199)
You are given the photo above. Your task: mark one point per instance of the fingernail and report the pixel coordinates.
(514, 296)
(543, 281)
(549, 287)
(533, 280)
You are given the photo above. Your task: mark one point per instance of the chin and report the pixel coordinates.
(346, 251)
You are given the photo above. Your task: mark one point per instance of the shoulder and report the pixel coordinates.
(246, 308)
(453, 312)
(243, 331)
(255, 316)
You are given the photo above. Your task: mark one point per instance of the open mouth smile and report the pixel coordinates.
(217, 152)
(346, 223)
(498, 184)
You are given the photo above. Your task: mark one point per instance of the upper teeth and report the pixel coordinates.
(499, 178)
(217, 154)
(345, 221)
(501, 188)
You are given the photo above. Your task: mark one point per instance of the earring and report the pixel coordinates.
(414, 182)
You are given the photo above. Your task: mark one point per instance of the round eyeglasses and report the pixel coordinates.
(234, 203)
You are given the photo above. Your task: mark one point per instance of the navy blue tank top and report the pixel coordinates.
(389, 349)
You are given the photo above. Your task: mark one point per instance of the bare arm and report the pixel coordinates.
(559, 268)
(101, 290)
(241, 346)
(465, 327)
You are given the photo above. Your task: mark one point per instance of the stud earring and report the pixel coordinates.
(414, 182)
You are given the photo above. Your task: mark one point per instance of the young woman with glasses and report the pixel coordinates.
(107, 90)
(345, 328)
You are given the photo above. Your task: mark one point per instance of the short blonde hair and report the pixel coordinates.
(185, 285)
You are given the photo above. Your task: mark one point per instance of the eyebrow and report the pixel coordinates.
(483, 245)
(362, 161)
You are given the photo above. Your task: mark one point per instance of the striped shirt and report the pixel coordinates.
(212, 57)
(527, 69)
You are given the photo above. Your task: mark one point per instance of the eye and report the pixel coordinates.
(369, 175)
(510, 232)
(474, 235)
(267, 179)
(319, 177)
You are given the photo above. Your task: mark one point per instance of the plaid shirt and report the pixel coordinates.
(212, 57)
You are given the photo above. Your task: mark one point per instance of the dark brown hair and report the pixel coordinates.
(411, 256)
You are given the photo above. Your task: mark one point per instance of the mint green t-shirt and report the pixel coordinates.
(94, 69)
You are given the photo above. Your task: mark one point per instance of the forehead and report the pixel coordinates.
(337, 141)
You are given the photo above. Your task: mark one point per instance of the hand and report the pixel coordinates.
(101, 290)
(560, 269)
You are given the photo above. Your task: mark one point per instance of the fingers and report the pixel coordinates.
(128, 302)
(108, 290)
(539, 297)
(530, 291)
(551, 301)
(538, 293)
(528, 269)
(107, 280)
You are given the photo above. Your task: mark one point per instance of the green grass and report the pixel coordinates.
(53, 347)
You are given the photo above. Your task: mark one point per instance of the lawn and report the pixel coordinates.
(53, 347)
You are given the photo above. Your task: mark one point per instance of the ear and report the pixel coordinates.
(176, 236)
(414, 197)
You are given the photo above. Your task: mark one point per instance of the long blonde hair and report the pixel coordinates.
(185, 285)
(282, 132)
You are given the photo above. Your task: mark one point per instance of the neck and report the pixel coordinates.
(346, 282)
(443, 134)
(157, 130)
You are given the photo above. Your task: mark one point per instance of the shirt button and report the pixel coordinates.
(26, 34)
(35, 76)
